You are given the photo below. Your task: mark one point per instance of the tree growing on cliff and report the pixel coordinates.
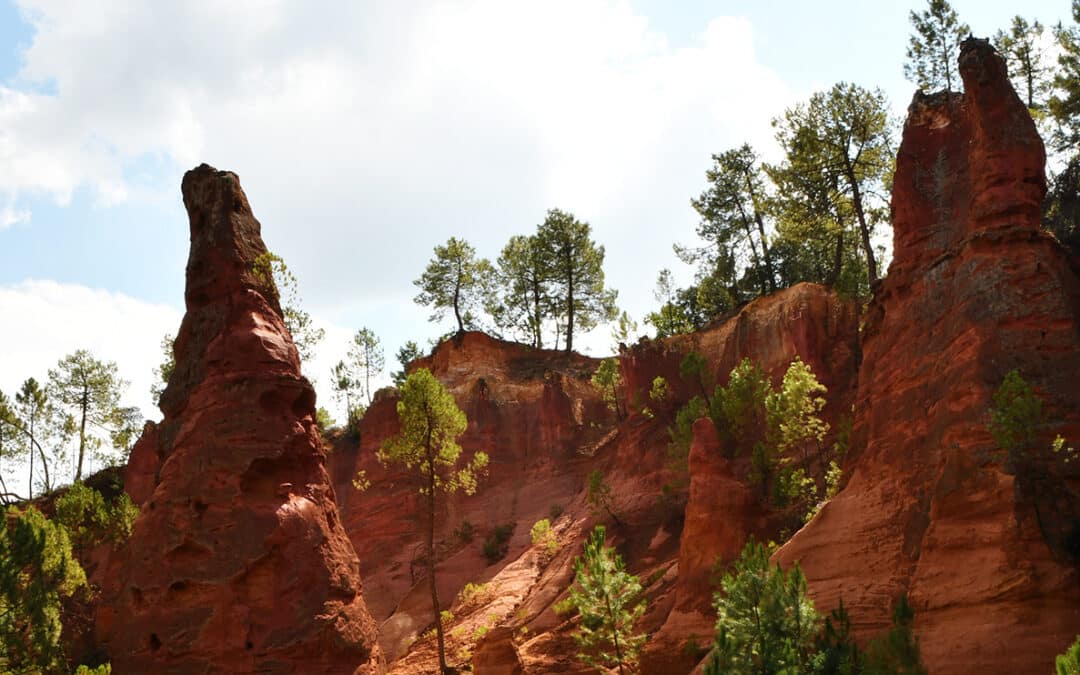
(280, 284)
(839, 147)
(608, 381)
(609, 601)
(934, 47)
(765, 621)
(1064, 105)
(9, 448)
(1068, 663)
(1021, 47)
(31, 418)
(733, 213)
(524, 277)
(408, 353)
(164, 370)
(37, 570)
(347, 392)
(89, 391)
(1014, 417)
(896, 652)
(366, 359)
(430, 423)
(455, 280)
(577, 273)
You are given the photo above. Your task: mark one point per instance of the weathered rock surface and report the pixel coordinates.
(975, 289)
(238, 561)
(722, 510)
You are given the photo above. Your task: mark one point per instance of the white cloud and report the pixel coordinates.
(47, 320)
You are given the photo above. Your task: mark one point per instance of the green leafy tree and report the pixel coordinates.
(1015, 416)
(1069, 662)
(455, 280)
(732, 225)
(608, 381)
(934, 47)
(427, 443)
(794, 412)
(896, 652)
(37, 570)
(164, 370)
(843, 139)
(765, 622)
(608, 599)
(366, 359)
(599, 496)
(525, 278)
(739, 407)
(88, 390)
(281, 287)
(577, 273)
(408, 353)
(672, 318)
(624, 329)
(126, 425)
(836, 650)
(1021, 47)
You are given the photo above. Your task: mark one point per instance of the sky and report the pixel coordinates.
(366, 133)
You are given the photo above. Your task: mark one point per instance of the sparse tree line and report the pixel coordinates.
(59, 426)
(547, 283)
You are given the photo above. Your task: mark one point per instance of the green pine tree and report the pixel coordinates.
(608, 598)
(430, 423)
(456, 280)
(934, 47)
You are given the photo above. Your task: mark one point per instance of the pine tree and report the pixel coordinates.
(524, 279)
(1025, 59)
(37, 570)
(1064, 105)
(934, 47)
(577, 273)
(163, 372)
(408, 353)
(456, 280)
(896, 652)
(608, 381)
(765, 621)
(733, 213)
(281, 287)
(427, 443)
(609, 601)
(366, 360)
(32, 412)
(89, 390)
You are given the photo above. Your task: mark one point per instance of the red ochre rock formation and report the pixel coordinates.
(975, 289)
(238, 561)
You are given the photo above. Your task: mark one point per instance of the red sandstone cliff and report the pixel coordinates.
(975, 289)
(238, 561)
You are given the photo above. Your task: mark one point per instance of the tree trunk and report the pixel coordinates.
(838, 255)
(431, 560)
(538, 320)
(766, 256)
(82, 433)
(457, 312)
(753, 249)
(569, 304)
(30, 447)
(864, 229)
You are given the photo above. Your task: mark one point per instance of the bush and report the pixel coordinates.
(1069, 662)
(464, 533)
(1015, 414)
(37, 570)
(89, 521)
(472, 592)
(682, 433)
(497, 544)
(543, 536)
(896, 652)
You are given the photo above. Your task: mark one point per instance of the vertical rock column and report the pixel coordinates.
(975, 289)
(238, 561)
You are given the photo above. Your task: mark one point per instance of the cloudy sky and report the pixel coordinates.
(366, 133)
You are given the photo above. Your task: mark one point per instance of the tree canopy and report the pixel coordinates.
(455, 280)
(934, 47)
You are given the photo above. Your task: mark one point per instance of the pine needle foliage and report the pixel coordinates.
(608, 598)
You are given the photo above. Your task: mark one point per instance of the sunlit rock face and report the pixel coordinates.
(238, 561)
(975, 289)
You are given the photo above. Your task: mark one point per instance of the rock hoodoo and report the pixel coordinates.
(975, 290)
(238, 561)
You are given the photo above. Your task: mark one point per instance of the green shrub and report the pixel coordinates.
(543, 536)
(89, 521)
(1069, 662)
(1014, 416)
(896, 652)
(682, 432)
(472, 592)
(37, 570)
(497, 544)
(465, 532)
(738, 409)
(659, 390)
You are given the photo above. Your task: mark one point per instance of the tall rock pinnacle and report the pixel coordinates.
(975, 290)
(238, 561)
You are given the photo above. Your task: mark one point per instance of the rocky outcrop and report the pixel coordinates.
(238, 561)
(975, 290)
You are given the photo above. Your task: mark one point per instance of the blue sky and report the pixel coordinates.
(365, 134)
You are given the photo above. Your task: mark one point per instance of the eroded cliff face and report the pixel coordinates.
(975, 289)
(238, 561)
